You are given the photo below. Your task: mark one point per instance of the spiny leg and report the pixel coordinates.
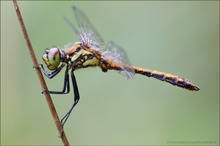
(66, 85)
(50, 75)
(76, 99)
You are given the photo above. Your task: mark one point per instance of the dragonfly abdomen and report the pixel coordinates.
(170, 78)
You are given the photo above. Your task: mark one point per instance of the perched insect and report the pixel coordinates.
(90, 52)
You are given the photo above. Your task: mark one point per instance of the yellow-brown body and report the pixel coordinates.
(84, 56)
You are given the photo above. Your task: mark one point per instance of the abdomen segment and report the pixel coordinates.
(172, 79)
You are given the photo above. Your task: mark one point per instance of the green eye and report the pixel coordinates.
(52, 58)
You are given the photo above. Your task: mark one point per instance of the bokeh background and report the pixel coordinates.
(175, 37)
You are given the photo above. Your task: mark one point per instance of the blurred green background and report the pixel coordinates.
(176, 37)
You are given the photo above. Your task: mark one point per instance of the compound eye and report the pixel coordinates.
(52, 58)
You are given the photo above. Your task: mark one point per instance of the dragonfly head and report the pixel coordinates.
(52, 58)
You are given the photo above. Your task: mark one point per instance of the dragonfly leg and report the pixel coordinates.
(76, 99)
(66, 86)
(53, 73)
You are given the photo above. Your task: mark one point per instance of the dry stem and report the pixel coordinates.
(40, 76)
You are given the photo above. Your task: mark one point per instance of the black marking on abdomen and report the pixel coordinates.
(169, 78)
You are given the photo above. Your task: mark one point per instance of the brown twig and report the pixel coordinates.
(40, 76)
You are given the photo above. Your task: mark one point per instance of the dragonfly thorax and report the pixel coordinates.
(81, 58)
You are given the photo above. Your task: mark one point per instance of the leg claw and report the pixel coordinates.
(44, 91)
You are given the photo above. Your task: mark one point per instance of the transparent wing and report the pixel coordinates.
(87, 33)
(118, 54)
(72, 26)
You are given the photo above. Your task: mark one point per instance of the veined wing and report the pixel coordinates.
(72, 26)
(119, 56)
(86, 32)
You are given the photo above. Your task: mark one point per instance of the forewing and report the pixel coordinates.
(72, 26)
(87, 32)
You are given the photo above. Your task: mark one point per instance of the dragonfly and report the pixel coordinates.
(92, 51)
